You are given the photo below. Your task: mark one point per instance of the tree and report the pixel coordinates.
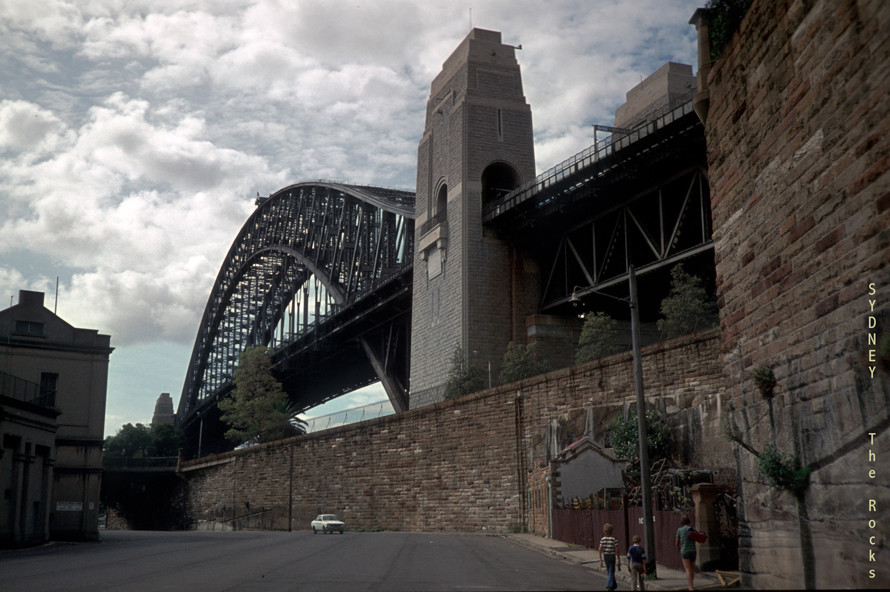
(626, 437)
(521, 362)
(686, 309)
(258, 410)
(597, 338)
(141, 440)
(462, 378)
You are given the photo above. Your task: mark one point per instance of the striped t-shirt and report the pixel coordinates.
(608, 544)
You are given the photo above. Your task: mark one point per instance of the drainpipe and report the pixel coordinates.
(550, 505)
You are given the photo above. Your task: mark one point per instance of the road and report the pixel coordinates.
(278, 561)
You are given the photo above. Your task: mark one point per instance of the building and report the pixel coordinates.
(668, 87)
(27, 454)
(164, 413)
(54, 384)
(583, 470)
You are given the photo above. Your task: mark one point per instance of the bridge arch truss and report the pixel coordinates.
(308, 252)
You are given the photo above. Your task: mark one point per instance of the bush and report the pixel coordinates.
(521, 362)
(784, 470)
(462, 379)
(726, 16)
(626, 439)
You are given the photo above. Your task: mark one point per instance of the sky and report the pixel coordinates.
(136, 134)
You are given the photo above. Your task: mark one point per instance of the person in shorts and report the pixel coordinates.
(636, 563)
(686, 546)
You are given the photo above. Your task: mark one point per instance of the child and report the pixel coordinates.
(608, 555)
(636, 563)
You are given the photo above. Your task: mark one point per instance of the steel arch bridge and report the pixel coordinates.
(305, 275)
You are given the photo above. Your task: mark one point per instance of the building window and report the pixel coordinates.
(48, 382)
(29, 328)
(442, 204)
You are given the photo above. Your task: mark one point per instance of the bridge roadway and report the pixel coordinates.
(639, 199)
(195, 561)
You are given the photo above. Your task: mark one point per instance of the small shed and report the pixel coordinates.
(584, 468)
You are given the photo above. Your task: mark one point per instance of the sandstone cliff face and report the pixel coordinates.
(798, 148)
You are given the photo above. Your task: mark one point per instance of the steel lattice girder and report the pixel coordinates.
(667, 223)
(350, 239)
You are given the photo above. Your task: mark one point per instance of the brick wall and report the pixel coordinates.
(460, 465)
(798, 137)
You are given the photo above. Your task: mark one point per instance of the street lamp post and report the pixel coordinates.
(646, 485)
(648, 524)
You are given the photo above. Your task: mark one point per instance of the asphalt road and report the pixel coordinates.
(273, 561)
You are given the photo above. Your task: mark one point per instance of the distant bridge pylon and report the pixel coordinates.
(308, 275)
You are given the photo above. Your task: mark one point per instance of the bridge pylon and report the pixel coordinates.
(471, 288)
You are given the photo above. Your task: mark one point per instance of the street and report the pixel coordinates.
(272, 561)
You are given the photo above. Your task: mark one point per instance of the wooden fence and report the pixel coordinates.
(585, 527)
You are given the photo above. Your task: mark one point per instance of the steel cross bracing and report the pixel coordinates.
(640, 199)
(306, 253)
(666, 224)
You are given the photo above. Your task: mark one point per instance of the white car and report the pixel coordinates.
(327, 523)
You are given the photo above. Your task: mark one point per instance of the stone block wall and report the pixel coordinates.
(460, 465)
(477, 293)
(798, 136)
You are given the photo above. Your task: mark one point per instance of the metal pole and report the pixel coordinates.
(648, 525)
(550, 505)
(200, 432)
(290, 494)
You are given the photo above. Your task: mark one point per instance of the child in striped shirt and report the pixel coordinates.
(608, 555)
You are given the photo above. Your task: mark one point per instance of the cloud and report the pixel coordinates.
(133, 134)
(27, 128)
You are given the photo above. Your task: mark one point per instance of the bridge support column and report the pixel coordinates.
(396, 393)
(471, 288)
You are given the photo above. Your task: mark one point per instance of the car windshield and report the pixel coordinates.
(330, 518)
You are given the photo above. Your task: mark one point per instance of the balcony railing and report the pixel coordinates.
(25, 390)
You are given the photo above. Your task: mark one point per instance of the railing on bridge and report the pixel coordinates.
(347, 416)
(587, 157)
(138, 463)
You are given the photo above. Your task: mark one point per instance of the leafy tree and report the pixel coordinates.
(258, 410)
(626, 438)
(686, 309)
(597, 338)
(520, 362)
(143, 440)
(131, 440)
(462, 378)
(167, 440)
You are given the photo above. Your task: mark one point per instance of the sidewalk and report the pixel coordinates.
(668, 579)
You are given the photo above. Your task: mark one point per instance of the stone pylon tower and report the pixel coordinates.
(470, 288)
(163, 411)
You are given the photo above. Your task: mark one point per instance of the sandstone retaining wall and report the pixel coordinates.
(460, 465)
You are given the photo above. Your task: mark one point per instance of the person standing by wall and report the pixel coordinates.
(686, 546)
(608, 555)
